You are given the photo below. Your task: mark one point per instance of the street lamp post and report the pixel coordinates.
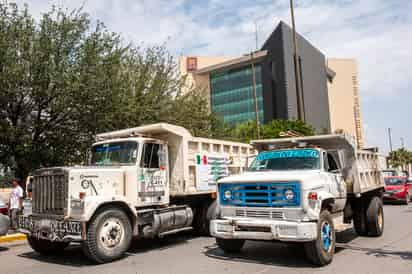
(298, 78)
(390, 139)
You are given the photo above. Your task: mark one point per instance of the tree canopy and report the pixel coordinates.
(64, 78)
(247, 131)
(400, 158)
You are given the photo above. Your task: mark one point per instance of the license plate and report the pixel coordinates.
(386, 194)
(66, 227)
(224, 228)
(55, 226)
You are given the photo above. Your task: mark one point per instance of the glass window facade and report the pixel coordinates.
(232, 94)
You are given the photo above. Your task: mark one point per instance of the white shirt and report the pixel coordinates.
(15, 196)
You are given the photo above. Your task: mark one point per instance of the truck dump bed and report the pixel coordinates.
(195, 163)
(361, 169)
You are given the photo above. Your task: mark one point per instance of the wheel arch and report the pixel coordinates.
(106, 204)
(328, 203)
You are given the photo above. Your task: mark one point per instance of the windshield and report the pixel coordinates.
(394, 181)
(389, 173)
(279, 160)
(115, 154)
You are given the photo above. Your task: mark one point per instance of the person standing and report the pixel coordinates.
(15, 203)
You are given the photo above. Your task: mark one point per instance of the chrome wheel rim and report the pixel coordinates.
(327, 236)
(111, 233)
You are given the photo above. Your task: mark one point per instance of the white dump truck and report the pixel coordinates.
(302, 190)
(142, 182)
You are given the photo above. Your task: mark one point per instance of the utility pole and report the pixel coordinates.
(298, 79)
(255, 97)
(256, 36)
(390, 139)
(402, 142)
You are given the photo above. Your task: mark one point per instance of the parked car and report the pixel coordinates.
(398, 189)
(4, 219)
(4, 209)
(390, 173)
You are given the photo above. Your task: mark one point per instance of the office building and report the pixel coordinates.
(344, 102)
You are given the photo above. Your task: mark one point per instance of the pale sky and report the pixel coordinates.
(378, 33)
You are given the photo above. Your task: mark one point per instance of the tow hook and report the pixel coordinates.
(233, 223)
(84, 231)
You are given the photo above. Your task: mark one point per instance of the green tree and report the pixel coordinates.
(56, 77)
(247, 131)
(400, 158)
(62, 81)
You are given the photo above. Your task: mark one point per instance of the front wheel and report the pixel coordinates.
(230, 245)
(109, 236)
(320, 252)
(46, 247)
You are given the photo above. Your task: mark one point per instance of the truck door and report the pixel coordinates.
(154, 173)
(338, 185)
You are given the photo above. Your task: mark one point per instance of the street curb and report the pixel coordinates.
(12, 237)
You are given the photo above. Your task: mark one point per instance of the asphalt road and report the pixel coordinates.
(186, 254)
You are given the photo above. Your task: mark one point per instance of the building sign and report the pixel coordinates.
(191, 63)
(210, 168)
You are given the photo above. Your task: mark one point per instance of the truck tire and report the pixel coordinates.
(230, 245)
(375, 218)
(359, 218)
(320, 252)
(204, 214)
(109, 236)
(46, 247)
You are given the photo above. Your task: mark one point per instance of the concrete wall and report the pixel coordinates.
(314, 79)
(273, 78)
(344, 98)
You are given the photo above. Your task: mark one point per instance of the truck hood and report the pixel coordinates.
(96, 180)
(272, 176)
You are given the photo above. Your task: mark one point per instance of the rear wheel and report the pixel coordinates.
(320, 252)
(46, 247)
(359, 218)
(230, 245)
(109, 236)
(375, 217)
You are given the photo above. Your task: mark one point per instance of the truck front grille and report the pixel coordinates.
(265, 214)
(279, 194)
(50, 188)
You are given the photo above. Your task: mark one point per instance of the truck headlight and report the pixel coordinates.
(289, 195)
(227, 194)
(76, 204)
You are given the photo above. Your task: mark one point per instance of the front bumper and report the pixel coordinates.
(52, 229)
(394, 196)
(256, 229)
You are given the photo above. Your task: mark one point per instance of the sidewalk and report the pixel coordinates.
(12, 237)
